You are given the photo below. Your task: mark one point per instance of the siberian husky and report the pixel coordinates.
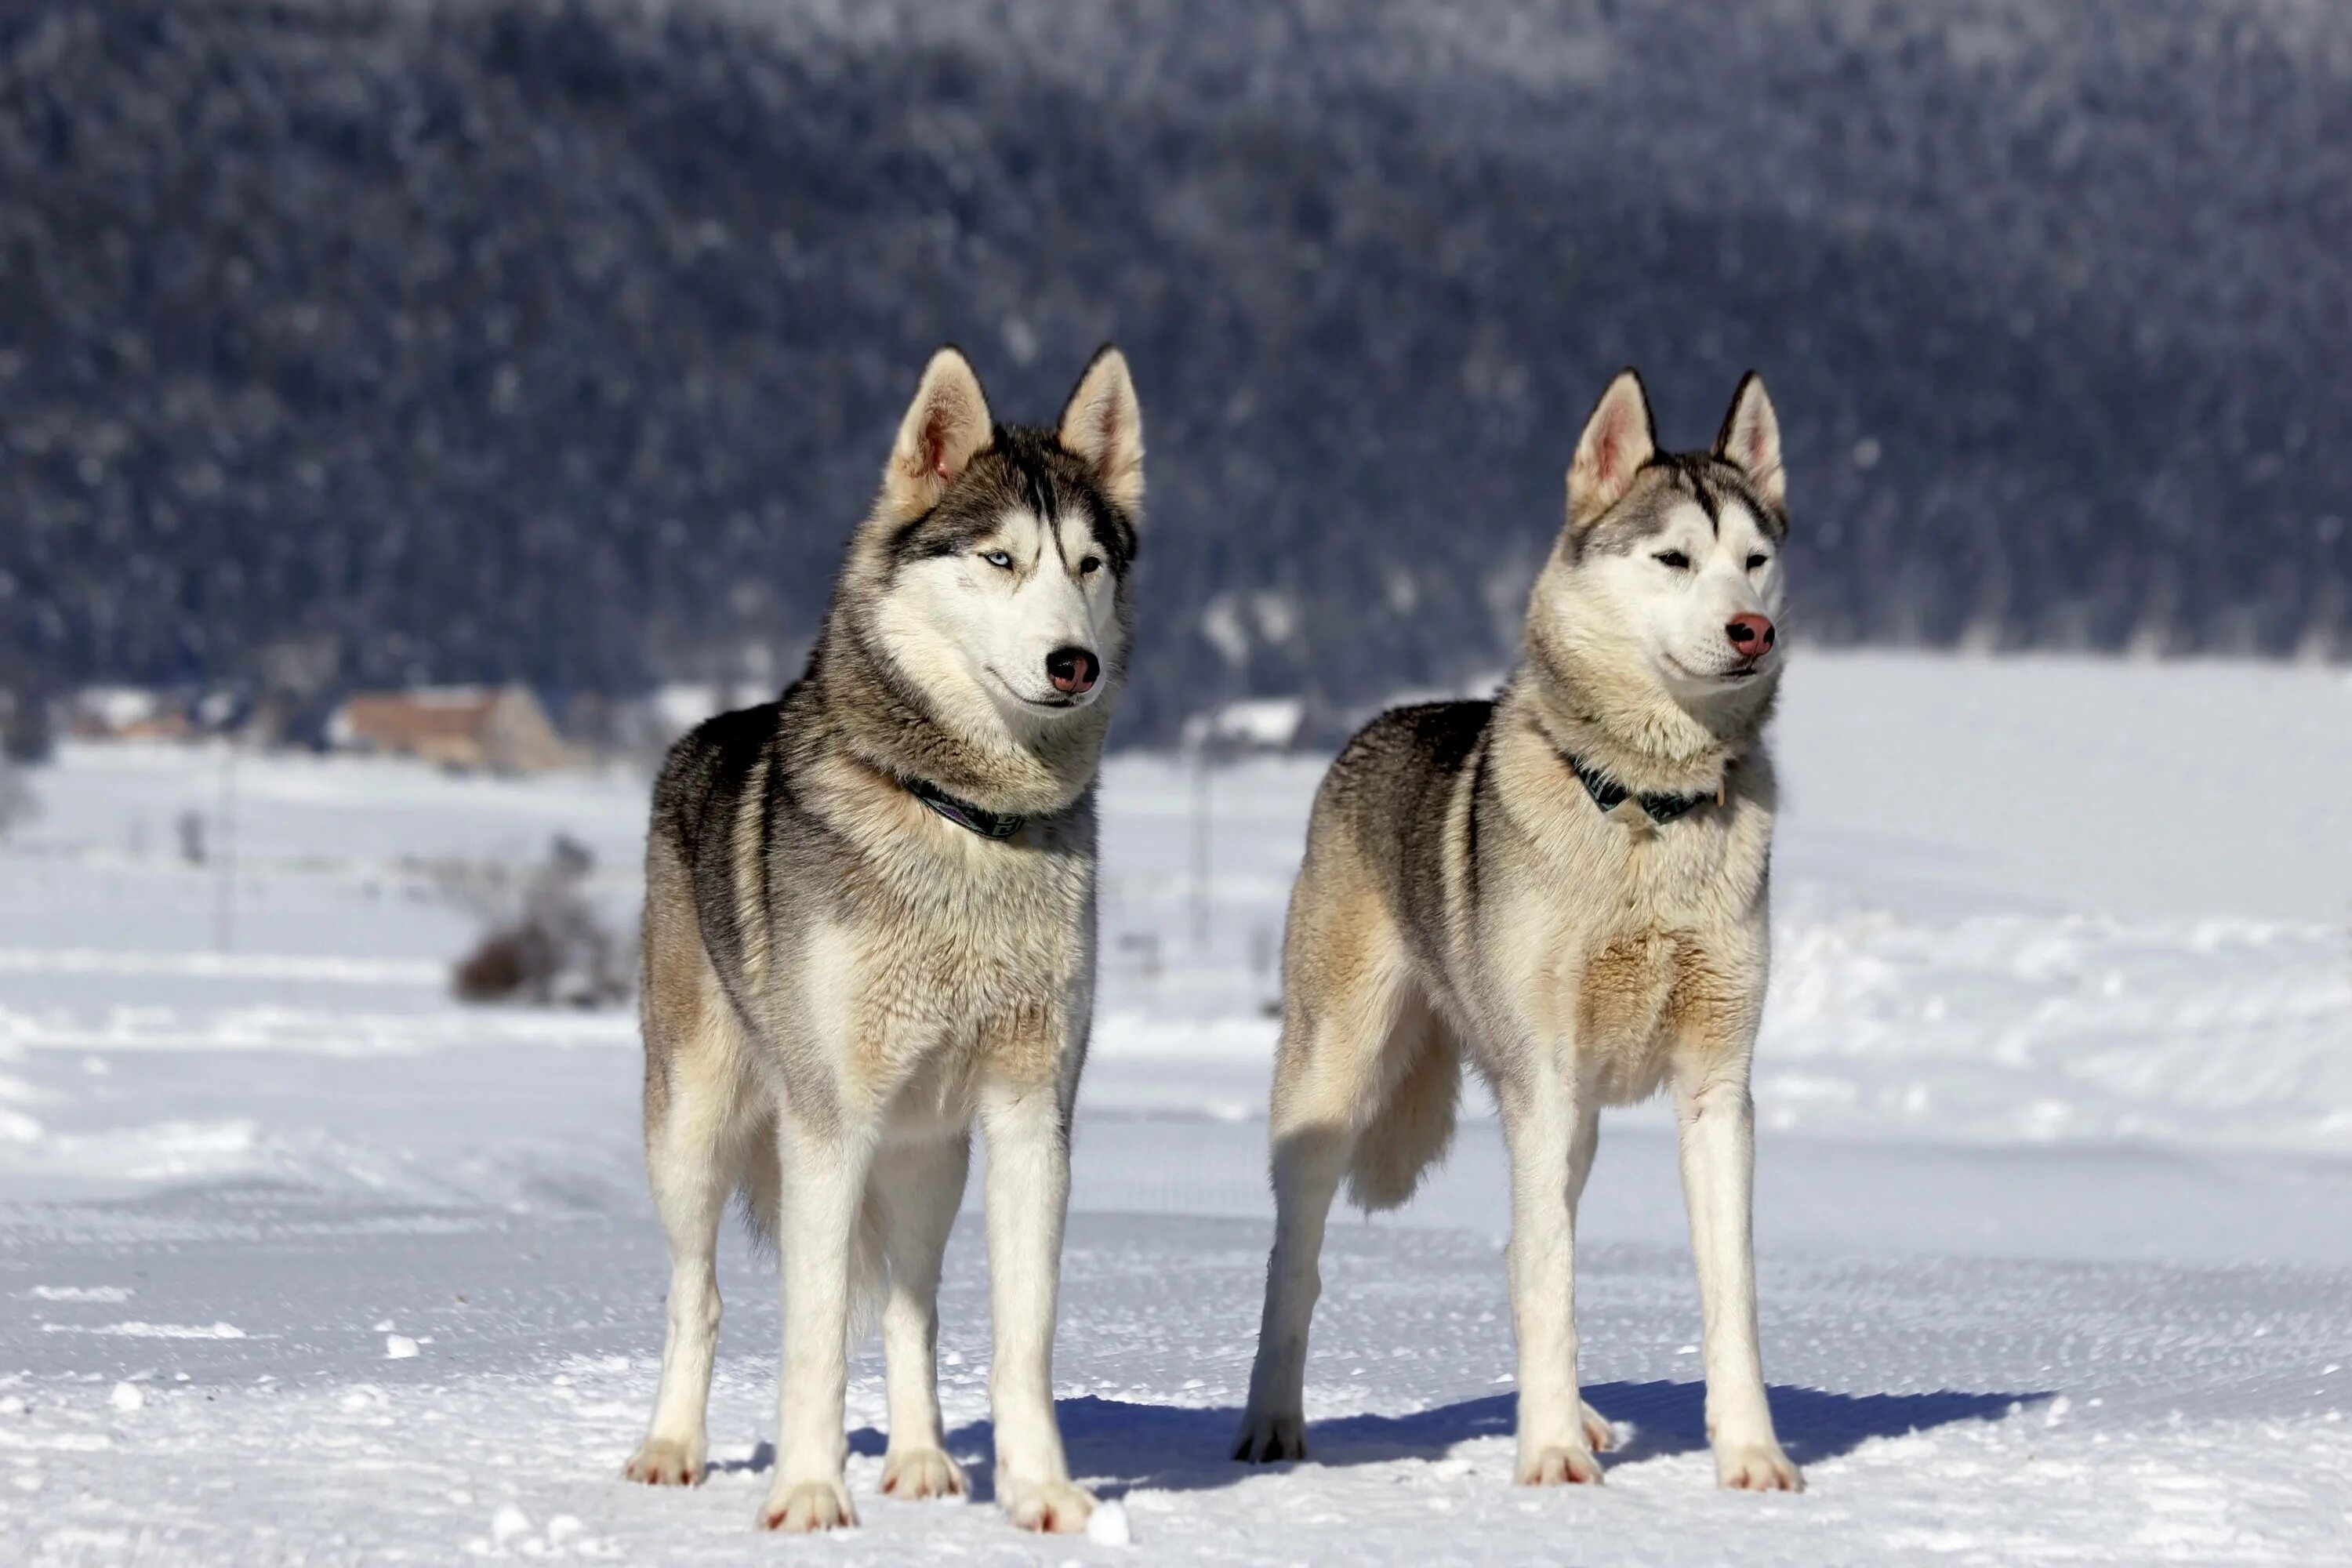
(870, 920)
(1566, 885)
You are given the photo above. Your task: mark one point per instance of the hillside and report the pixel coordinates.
(355, 343)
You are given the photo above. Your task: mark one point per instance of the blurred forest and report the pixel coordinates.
(359, 344)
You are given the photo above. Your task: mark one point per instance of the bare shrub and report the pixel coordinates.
(546, 944)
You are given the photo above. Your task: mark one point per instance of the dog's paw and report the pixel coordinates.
(1053, 1507)
(1755, 1468)
(803, 1507)
(912, 1475)
(666, 1462)
(1598, 1435)
(1270, 1439)
(1556, 1466)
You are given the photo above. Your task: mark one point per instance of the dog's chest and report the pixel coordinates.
(1660, 952)
(1000, 935)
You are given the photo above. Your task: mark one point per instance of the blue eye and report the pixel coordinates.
(997, 558)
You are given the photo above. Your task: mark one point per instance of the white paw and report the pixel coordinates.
(912, 1475)
(1598, 1435)
(1556, 1465)
(1269, 1439)
(1755, 1468)
(666, 1462)
(803, 1508)
(1055, 1508)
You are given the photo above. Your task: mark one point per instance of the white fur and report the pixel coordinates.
(974, 635)
(1673, 618)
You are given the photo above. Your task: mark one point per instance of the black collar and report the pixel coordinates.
(962, 813)
(1609, 795)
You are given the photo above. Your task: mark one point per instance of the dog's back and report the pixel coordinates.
(697, 932)
(1367, 1044)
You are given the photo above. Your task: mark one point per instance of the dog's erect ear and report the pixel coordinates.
(1617, 440)
(1750, 439)
(946, 423)
(1102, 425)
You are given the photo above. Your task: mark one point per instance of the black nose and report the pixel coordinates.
(1071, 669)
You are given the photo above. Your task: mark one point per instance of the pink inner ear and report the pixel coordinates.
(935, 443)
(1755, 455)
(1616, 446)
(1612, 450)
(1105, 419)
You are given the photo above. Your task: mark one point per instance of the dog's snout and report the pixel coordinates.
(1751, 634)
(1071, 669)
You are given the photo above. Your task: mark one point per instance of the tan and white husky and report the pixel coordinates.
(870, 920)
(1566, 885)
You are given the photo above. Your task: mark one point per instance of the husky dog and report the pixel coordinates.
(870, 919)
(1567, 885)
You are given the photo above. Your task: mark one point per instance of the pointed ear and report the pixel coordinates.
(947, 422)
(1103, 425)
(1617, 440)
(1750, 438)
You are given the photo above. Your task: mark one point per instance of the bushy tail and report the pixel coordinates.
(1411, 1129)
(761, 1194)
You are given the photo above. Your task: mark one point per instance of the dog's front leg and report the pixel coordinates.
(1717, 1121)
(1028, 1134)
(825, 1167)
(1543, 1122)
(919, 1185)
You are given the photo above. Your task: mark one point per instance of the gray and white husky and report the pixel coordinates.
(870, 919)
(1567, 886)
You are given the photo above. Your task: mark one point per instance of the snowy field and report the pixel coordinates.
(303, 1261)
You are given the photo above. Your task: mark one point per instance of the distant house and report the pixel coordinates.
(500, 729)
(127, 714)
(1252, 724)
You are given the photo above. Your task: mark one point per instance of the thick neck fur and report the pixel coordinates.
(967, 746)
(1612, 713)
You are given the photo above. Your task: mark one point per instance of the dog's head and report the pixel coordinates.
(1001, 553)
(1670, 562)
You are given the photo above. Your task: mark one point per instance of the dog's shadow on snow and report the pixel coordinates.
(1132, 1445)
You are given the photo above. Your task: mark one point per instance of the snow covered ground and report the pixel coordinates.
(304, 1262)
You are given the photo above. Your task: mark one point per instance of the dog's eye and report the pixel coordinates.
(1756, 561)
(1674, 558)
(1090, 565)
(998, 559)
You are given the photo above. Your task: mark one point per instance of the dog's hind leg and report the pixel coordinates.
(918, 1185)
(1344, 985)
(699, 1106)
